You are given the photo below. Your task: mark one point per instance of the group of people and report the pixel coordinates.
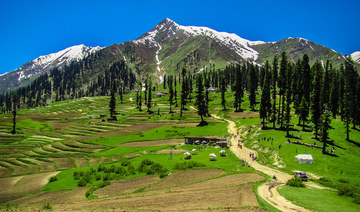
(252, 156)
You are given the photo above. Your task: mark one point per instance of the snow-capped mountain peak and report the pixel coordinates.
(356, 56)
(168, 28)
(72, 53)
(45, 63)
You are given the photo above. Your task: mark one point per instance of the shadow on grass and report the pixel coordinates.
(354, 142)
(329, 154)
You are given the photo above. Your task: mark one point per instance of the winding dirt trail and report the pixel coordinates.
(267, 191)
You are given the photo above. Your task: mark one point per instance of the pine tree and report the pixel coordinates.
(239, 93)
(112, 103)
(253, 87)
(223, 90)
(334, 95)
(121, 93)
(324, 129)
(282, 87)
(274, 78)
(304, 111)
(316, 97)
(171, 92)
(183, 91)
(265, 104)
(14, 104)
(175, 93)
(288, 93)
(149, 99)
(200, 100)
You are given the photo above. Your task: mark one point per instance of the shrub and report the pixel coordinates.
(326, 182)
(98, 177)
(131, 169)
(188, 165)
(125, 162)
(143, 165)
(82, 183)
(295, 182)
(52, 179)
(104, 183)
(356, 199)
(345, 191)
(342, 180)
(47, 206)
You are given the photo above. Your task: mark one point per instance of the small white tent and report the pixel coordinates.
(304, 158)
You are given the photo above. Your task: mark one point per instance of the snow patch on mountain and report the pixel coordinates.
(356, 56)
(231, 40)
(72, 53)
(158, 62)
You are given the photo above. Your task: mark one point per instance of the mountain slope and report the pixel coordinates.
(356, 56)
(166, 49)
(295, 49)
(31, 70)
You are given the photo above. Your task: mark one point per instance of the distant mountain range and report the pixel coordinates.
(168, 47)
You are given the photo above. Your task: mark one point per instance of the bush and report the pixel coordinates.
(125, 162)
(356, 199)
(82, 183)
(47, 206)
(52, 179)
(295, 182)
(342, 180)
(188, 165)
(89, 192)
(345, 191)
(143, 165)
(131, 169)
(326, 182)
(104, 183)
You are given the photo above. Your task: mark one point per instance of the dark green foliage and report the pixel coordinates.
(356, 199)
(324, 129)
(52, 179)
(265, 104)
(171, 92)
(47, 206)
(316, 97)
(342, 180)
(345, 191)
(188, 165)
(295, 182)
(149, 167)
(14, 103)
(253, 85)
(239, 92)
(274, 81)
(200, 102)
(223, 88)
(112, 103)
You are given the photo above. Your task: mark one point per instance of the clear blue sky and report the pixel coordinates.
(29, 29)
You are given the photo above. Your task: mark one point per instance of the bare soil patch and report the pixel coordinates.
(154, 143)
(93, 161)
(64, 163)
(7, 183)
(231, 180)
(126, 186)
(131, 155)
(29, 183)
(4, 172)
(44, 166)
(74, 195)
(173, 151)
(181, 178)
(81, 162)
(245, 114)
(233, 198)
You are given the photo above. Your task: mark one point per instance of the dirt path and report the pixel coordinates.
(267, 191)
